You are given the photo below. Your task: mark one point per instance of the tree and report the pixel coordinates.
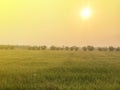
(43, 47)
(118, 49)
(61, 48)
(66, 48)
(76, 48)
(100, 49)
(84, 48)
(38, 47)
(105, 49)
(29, 48)
(11, 47)
(72, 48)
(111, 48)
(52, 48)
(90, 48)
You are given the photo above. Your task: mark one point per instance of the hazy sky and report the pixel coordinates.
(58, 22)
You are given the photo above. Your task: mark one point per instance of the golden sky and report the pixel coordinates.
(58, 22)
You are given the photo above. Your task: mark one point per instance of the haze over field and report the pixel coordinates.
(59, 22)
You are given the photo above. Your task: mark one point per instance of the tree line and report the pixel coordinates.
(7, 47)
(67, 48)
(86, 48)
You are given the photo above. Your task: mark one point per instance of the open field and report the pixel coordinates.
(59, 70)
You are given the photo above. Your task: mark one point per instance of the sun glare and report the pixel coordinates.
(86, 13)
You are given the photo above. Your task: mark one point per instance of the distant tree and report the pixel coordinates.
(111, 48)
(29, 48)
(118, 49)
(105, 49)
(38, 47)
(100, 49)
(58, 48)
(33, 48)
(84, 48)
(6, 47)
(66, 48)
(76, 48)
(52, 48)
(72, 48)
(90, 48)
(43, 47)
(1, 47)
(61, 48)
(12, 47)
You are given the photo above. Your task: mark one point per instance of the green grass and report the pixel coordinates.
(59, 70)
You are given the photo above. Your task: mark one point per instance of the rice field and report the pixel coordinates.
(59, 70)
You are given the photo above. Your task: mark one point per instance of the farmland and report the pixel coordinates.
(59, 70)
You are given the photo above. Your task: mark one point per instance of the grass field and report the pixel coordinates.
(59, 70)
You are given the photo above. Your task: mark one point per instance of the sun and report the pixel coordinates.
(86, 13)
